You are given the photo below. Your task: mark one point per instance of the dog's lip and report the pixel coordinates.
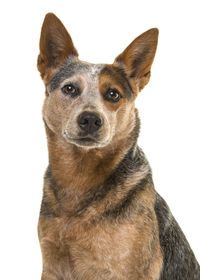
(86, 139)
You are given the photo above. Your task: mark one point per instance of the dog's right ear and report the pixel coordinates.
(138, 57)
(55, 44)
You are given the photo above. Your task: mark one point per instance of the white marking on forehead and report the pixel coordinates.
(91, 96)
(92, 72)
(91, 79)
(95, 69)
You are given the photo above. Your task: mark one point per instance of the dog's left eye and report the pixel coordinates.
(112, 95)
(71, 90)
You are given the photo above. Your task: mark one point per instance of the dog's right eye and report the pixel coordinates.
(112, 95)
(71, 90)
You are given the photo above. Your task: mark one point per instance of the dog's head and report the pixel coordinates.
(90, 105)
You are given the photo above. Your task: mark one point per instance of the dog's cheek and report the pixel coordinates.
(52, 114)
(109, 122)
(70, 125)
(125, 120)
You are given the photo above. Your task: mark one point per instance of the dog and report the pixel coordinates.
(100, 216)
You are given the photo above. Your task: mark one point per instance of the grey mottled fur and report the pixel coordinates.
(179, 260)
(72, 67)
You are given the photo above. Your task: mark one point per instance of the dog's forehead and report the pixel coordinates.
(72, 67)
(93, 74)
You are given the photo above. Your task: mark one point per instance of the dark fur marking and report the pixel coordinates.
(46, 209)
(127, 166)
(67, 70)
(126, 201)
(179, 260)
(52, 184)
(138, 61)
(120, 77)
(114, 179)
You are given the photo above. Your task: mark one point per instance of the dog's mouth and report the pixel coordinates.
(82, 141)
(85, 140)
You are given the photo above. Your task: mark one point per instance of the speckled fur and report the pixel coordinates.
(101, 217)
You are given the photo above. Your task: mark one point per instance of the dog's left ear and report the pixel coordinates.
(55, 44)
(138, 57)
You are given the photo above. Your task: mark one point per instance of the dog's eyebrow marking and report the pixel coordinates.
(68, 69)
(119, 76)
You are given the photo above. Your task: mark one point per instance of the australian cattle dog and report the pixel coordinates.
(101, 217)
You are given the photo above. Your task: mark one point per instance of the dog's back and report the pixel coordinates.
(179, 262)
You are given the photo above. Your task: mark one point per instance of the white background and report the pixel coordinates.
(169, 109)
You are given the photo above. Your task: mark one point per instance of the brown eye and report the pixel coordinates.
(71, 90)
(112, 95)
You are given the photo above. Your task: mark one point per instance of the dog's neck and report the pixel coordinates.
(79, 169)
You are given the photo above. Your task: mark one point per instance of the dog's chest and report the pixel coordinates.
(99, 251)
(126, 248)
(117, 251)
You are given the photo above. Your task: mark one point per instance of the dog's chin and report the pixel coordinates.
(85, 142)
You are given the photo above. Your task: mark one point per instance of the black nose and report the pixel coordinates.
(89, 122)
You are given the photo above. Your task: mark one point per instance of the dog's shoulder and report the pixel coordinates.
(179, 260)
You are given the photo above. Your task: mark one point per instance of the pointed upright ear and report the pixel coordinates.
(138, 57)
(55, 44)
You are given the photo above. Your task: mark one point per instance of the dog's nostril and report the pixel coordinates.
(83, 122)
(98, 122)
(89, 122)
